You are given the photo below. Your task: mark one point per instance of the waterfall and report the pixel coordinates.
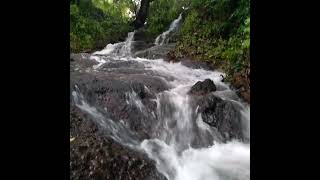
(126, 48)
(164, 37)
(178, 125)
(121, 49)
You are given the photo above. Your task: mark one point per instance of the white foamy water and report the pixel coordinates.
(125, 50)
(180, 74)
(108, 49)
(115, 130)
(121, 51)
(230, 161)
(163, 38)
(171, 146)
(179, 125)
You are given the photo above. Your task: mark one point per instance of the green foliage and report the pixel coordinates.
(162, 13)
(94, 24)
(217, 31)
(123, 9)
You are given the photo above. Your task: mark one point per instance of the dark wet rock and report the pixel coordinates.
(123, 64)
(223, 78)
(95, 156)
(222, 115)
(79, 57)
(126, 97)
(155, 52)
(140, 45)
(142, 35)
(188, 62)
(241, 82)
(204, 87)
(123, 68)
(196, 64)
(99, 44)
(81, 62)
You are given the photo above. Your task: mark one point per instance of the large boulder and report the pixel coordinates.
(221, 114)
(203, 87)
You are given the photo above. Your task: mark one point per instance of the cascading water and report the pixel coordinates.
(179, 126)
(118, 50)
(164, 37)
(182, 145)
(122, 49)
(126, 48)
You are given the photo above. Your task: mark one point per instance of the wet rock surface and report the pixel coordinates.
(81, 62)
(196, 64)
(79, 57)
(125, 97)
(95, 156)
(125, 92)
(222, 115)
(241, 82)
(140, 45)
(142, 35)
(118, 90)
(218, 113)
(202, 88)
(155, 52)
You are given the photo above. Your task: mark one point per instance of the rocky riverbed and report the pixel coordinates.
(129, 103)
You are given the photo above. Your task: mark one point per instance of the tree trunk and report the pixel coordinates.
(142, 14)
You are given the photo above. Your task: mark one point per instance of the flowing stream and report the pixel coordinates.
(178, 124)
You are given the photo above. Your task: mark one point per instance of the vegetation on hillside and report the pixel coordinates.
(217, 31)
(93, 24)
(162, 13)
